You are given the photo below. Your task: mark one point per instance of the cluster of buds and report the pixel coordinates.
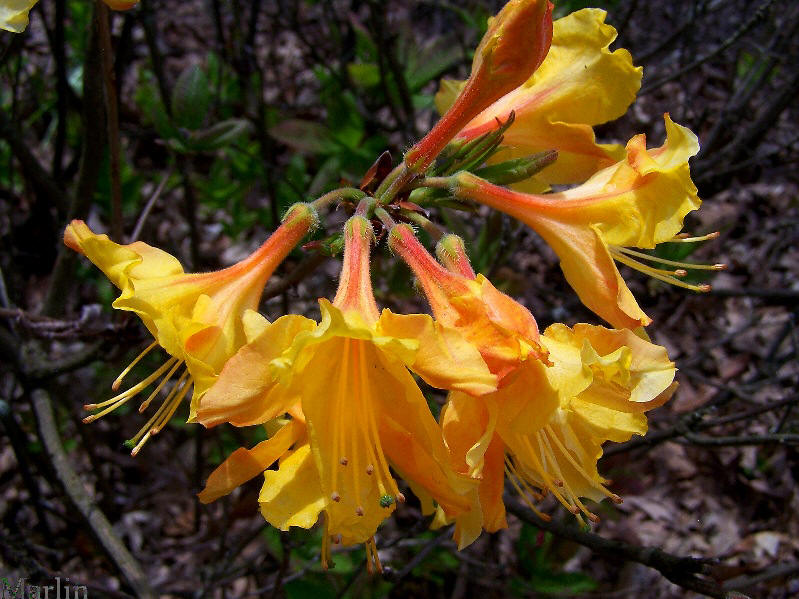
(338, 396)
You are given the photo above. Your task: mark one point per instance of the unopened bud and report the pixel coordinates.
(516, 42)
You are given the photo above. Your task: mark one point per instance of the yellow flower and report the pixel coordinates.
(516, 42)
(14, 13)
(580, 84)
(503, 330)
(546, 428)
(638, 202)
(363, 408)
(199, 319)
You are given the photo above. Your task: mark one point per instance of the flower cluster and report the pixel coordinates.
(338, 397)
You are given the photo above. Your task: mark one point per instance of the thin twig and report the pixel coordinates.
(76, 493)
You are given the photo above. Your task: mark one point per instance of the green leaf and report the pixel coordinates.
(191, 98)
(218, 136)
(304, 136)
(364, 74)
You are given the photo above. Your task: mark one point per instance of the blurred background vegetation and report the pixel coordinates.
(225, 112)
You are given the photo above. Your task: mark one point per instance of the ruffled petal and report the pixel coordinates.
(245, 392)
(292, 494)
(444, 358)
(244, 464)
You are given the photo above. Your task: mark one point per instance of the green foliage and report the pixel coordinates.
(538, 559)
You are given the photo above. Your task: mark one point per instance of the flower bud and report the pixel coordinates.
(516, 42)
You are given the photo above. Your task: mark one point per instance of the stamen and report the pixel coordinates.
(343, 461)
(686, 237)
(577, 466)
(325, 553)
(157, 420)
(335, 497)
(372, 557)
(656, 273)
(146, 403)
(399, 497)
(126, 395)
(651, 258)
(359, 511)
(370, 470)
(524, 495)
(118, 381)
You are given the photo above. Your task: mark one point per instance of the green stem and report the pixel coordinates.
(343, 193)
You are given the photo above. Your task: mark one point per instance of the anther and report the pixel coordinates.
(719, 267)
(616, 499)
(359, 511)
(370, 470)
(343, 461)
(400, 498)
(592, 517)
(337, 539)
(574, 509)
(704, 288)
(335, 497)
(557, 482)
(680, 272)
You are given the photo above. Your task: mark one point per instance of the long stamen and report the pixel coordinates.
(118, 381)
(356, 462)
(602, 489)
(338, 435)
(149, 429)
(550, 483)
(173, 406)
(686, 265)
(515, 479)
(145, 404)
(384, 479)
(686, 238)
(125, 395)
(325, 556)
(372, 558)
(558, 472)
(653, 272)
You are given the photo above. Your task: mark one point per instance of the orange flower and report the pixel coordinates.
(199, 319)
(638, 202)
(503, 330)
(579, 84)
(363, 409)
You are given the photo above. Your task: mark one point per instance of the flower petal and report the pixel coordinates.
(244, 464)
(292, 494)
(444, 358)
(245, 392)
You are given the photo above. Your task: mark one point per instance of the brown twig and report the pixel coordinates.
(683, 571)
(75, 490)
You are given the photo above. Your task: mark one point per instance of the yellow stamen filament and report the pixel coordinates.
(576, 465)
(385, 482)
(338, 435)
(354, 411)
(573, 496)
(325, 554)
(656, 273)
(118, 381)
(686, 265)
(146, 403)
(515, 479)
(686, 238)
(118, 400)
(372, 558)
(163, 414)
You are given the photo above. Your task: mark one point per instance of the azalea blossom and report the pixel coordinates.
(363, 409)
(199, 319)
(580, 84)
(638, 202)
(599, 385)
(554, 407)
